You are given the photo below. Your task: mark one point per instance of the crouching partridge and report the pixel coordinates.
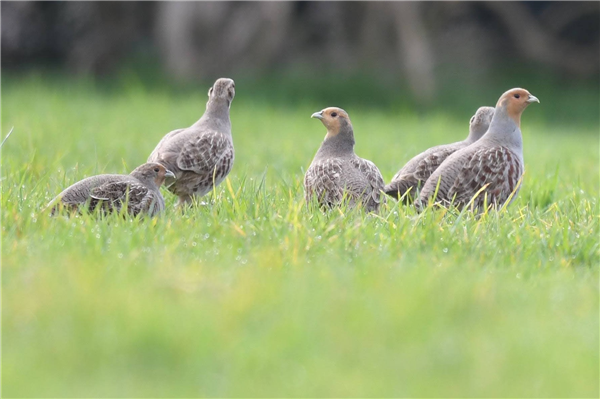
(139, 191)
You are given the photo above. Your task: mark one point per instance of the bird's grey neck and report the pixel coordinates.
(474, 135)
(137, 175)
(148, 182)
(504, 131)
(216, 116)
(151, 184)
(338, 145)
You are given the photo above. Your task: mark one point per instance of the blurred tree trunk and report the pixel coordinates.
(210, 39)
(206, 38)
(536, 42)
(415, 49)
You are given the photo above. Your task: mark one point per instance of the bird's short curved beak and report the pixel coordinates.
(168, 173)
(532, 99)
(318, 115)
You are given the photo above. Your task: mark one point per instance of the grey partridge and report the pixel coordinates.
(411, 177)
(336, 172)
(493, 164)
(139, 190)
(202, 155)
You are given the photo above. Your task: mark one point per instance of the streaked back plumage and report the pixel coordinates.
(140, 190)
(411, 177)
(202, 155)
(336, 172)
(493, 165)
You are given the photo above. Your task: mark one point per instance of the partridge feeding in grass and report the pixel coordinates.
(493, 164)
(140, 190)
(200, 156)
(411, 177)
(337, 173)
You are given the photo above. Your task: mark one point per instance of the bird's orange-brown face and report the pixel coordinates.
(152, 172)
(515, 101)
(160, 173)
(333, 118)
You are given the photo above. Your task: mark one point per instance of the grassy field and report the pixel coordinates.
(252, 295)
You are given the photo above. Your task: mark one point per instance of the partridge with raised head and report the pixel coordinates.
(411, 177)
(336, 172)
(139, 190)
(202, 155)
(492, 166)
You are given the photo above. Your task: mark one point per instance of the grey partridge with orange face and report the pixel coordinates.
(411, 177)
(202, 155)
(336, 172)
(140, 191)
(493, 164)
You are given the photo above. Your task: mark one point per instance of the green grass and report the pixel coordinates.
(253, 295)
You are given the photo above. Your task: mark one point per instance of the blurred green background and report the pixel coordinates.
(253, 295)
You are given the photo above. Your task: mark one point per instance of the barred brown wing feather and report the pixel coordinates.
(225, 163)
(202, 154)
(370, 170)
(416, 172)
(430, 163)
(373, 178)
(497, 167)
(151, 203)
(112, 195)
(323, 182)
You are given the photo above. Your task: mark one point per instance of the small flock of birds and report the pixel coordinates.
(483, 170)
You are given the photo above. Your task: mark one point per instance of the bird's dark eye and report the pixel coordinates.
(333, 114)
(517, 95)
(156, 170)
